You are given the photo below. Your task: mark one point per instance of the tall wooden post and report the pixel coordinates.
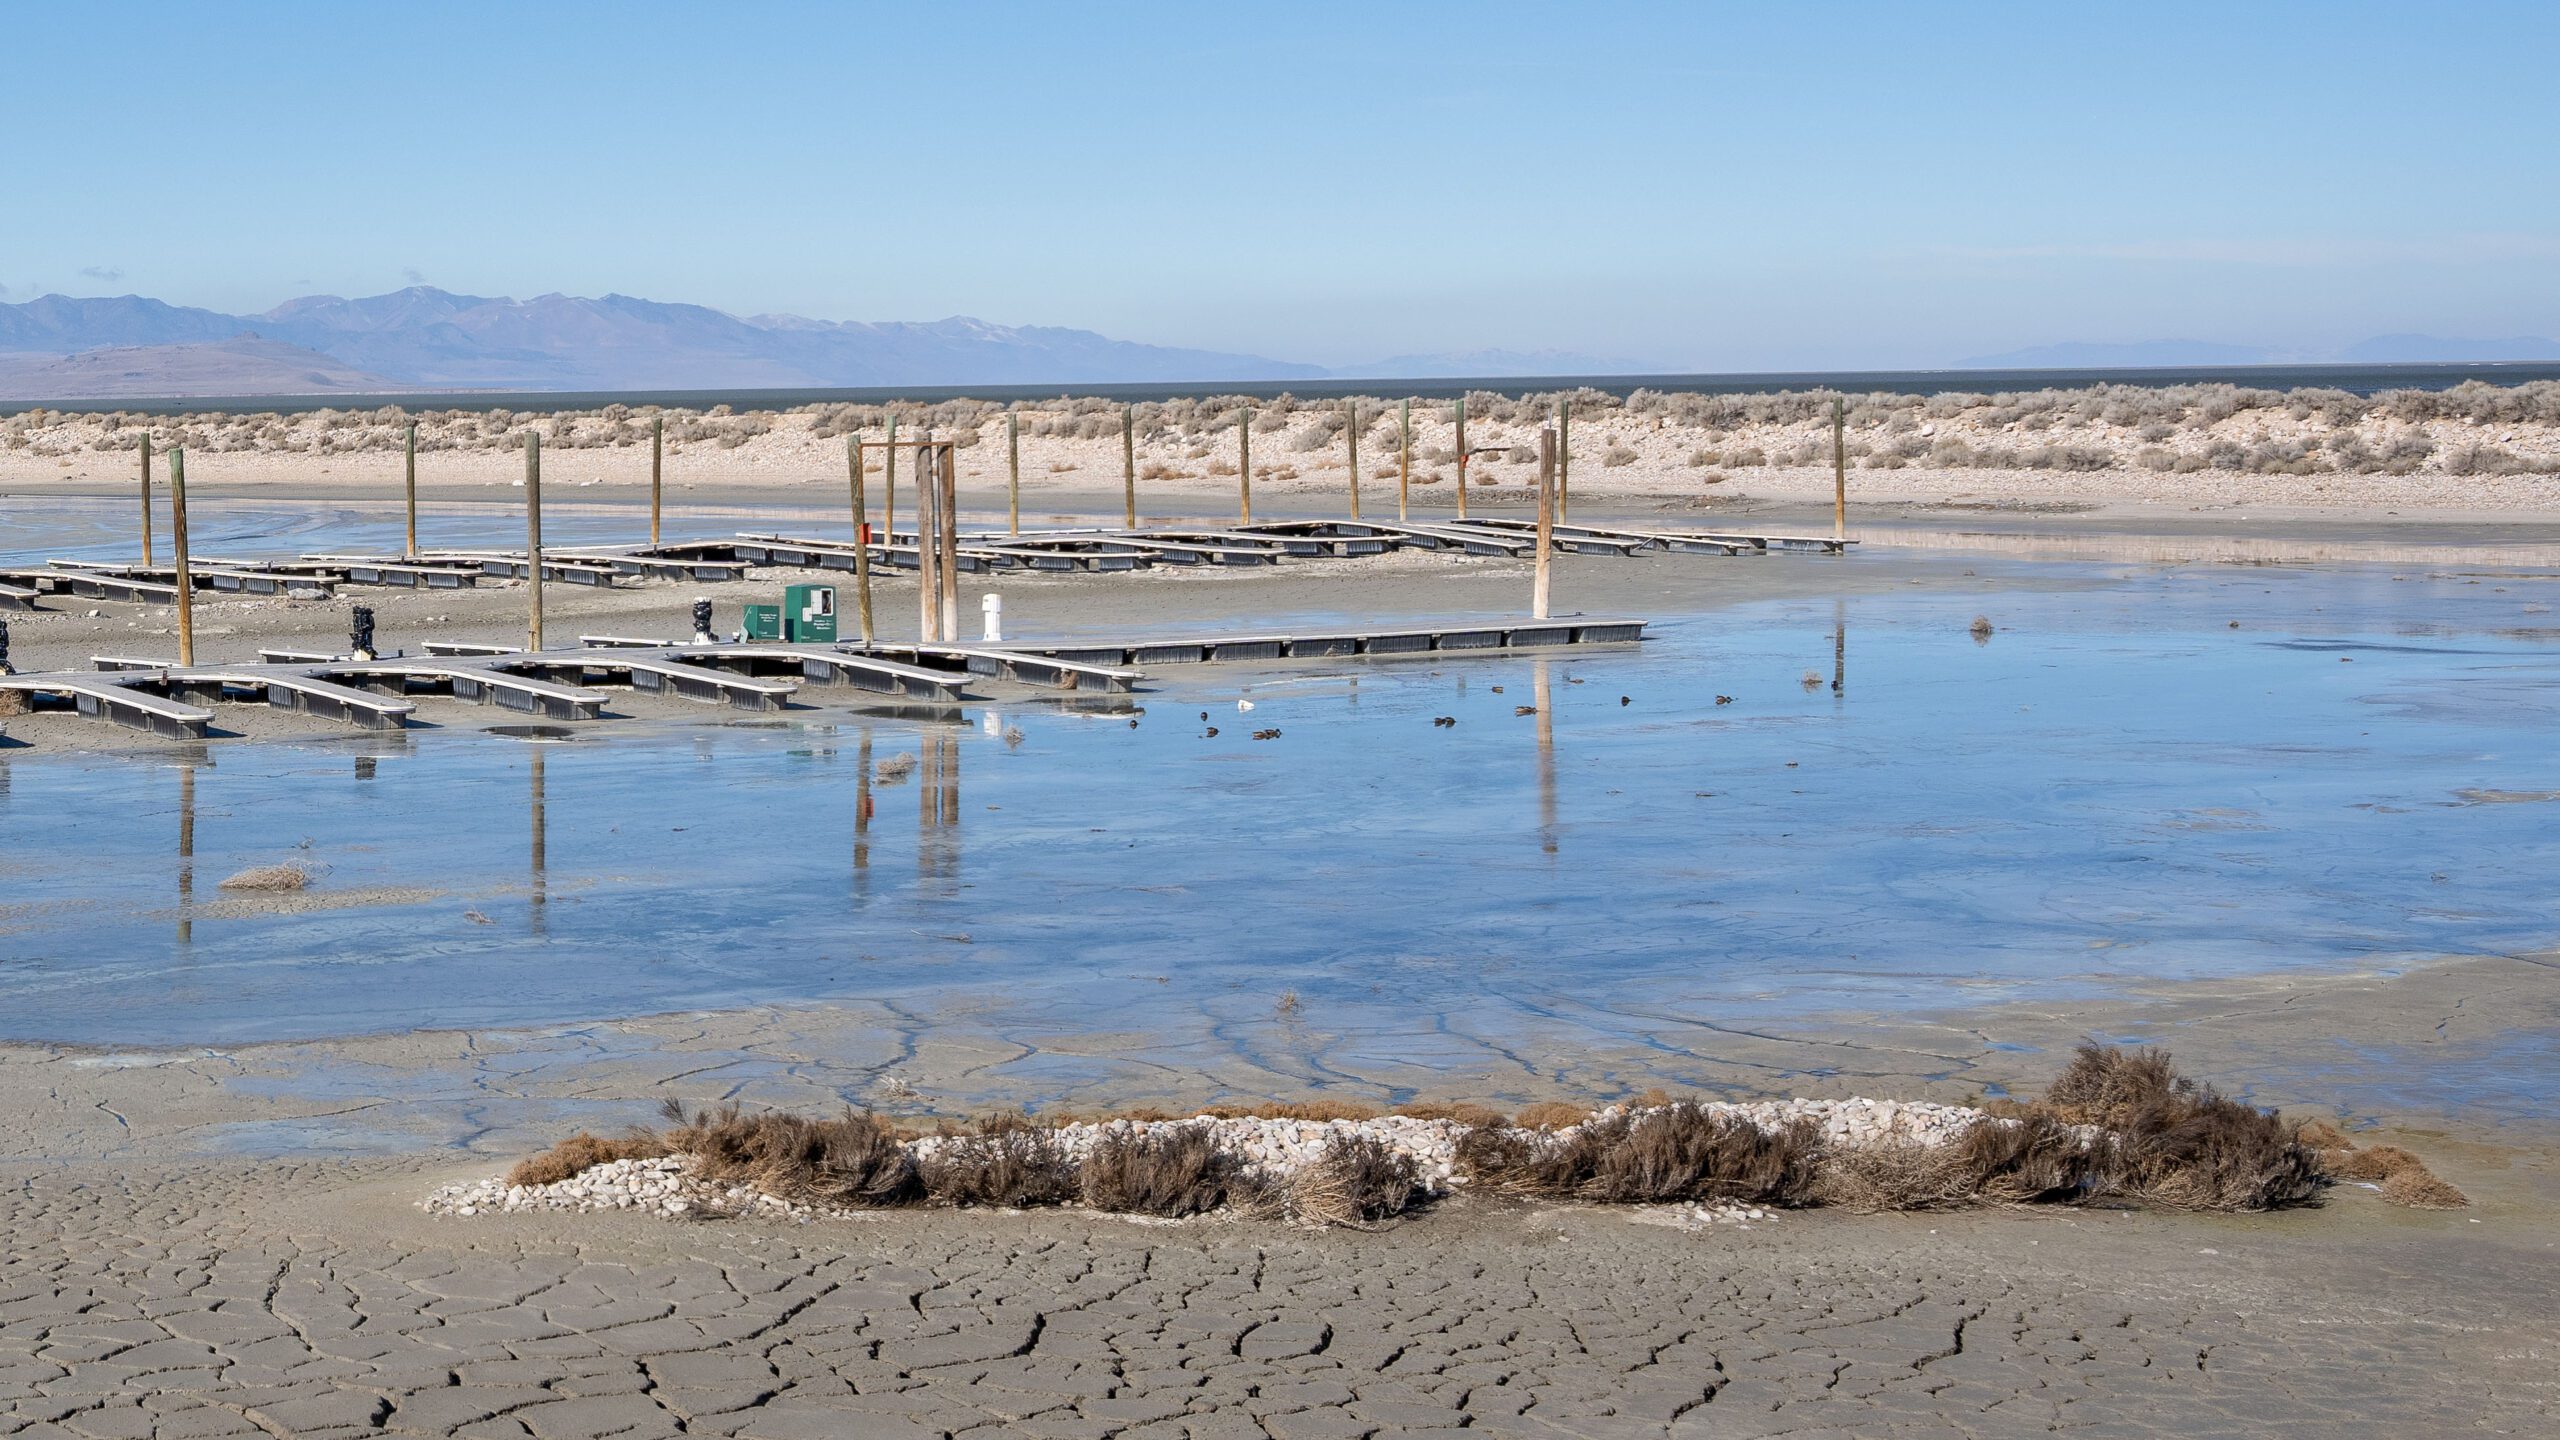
(889, 485)
(861, 550)
(928, 548)
(178, 538)
(1564, 460)
(1129, 466)
(409, 491)
(533, 538)
(1462, 457)
(1244, 464)
(146, 495)
(1538, 588)
(1404, 456)
(1013, 471)
(1353, 430)
(1839, 469)
(947, 564)
(657, 474)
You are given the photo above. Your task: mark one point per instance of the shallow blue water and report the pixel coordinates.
(2116, 785)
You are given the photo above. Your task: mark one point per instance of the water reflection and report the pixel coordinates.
(540, 857)
(938, 809)
(1839, 649)
(1542, 695)
(186, 852)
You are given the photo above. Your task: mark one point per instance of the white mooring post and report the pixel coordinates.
(992, 607)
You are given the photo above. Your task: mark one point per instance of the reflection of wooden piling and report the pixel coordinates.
(1013, 472)
(950, 743)
(1351, 429)
(1539, 588)
(861, 548)
(862, 814)
(1129, 466)
(178, 539)
(1244, 464)
(1839, 469)
(409, 489)
(1542, 695)
(1404, 457)
(186, 852)
(1462, 457)
(146, 497)
(533, 538)
(539, 857)
(1839, 649)
(657, 474)
(947, 564)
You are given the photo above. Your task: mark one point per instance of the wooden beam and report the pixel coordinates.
(533, 538)
(178, 538)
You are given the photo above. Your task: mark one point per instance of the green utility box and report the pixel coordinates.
(809, 614)
(764, 622)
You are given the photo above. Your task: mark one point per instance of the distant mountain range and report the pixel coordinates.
(428, 339)
(2380, 350)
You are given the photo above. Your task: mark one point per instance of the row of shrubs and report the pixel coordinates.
(2118, 1126)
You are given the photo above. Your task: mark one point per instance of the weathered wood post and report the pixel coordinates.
(178, 539)
(947, 564)
(657, 474)
(409, 491)
(146, 497)
(1404, 456)
(1564, 460)
(1539, 590)
(533, 538)
(1129, 466)
(928, 548)
(1013, 471)
(889, 484)
(1352, 430)
(1839, 468)
(861, 549)
(1462, 457)
(1244, 463)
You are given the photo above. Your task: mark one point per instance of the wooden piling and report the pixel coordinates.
(146, 497)
(928, 548)
(861, 550)
(409, 491)
(1129, 466)
(1539, 588)
(1404, 457)
(1013, 472)
(1352, 429)
(1564, 461)
(889, 484)
(947, 564)
(533, 538)
(1462, 457)
(178, 539)
(1839, 469)
(1244, 464)
(657, 474)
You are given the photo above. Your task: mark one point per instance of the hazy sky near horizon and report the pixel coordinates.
(1695, 186)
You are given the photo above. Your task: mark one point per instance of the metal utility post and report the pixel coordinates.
(657, 474)
(1244, 464)
(1462, 457)
(146, 497)
(861, 548)
(947, 564)
(1352, 429)
(1129, 466)
(1404, 456)
(1539, 588)
(533, 538)
(1564, 460)
(1839, 469)
(1013, 472)
(409, 490)
(178, 538)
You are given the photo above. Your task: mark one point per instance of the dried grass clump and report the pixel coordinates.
(583, 1152)
(1457, 1112)
(1173, 1172)
(273, 878)
(854, 1159)
(2321, 1135)
(1356, 1181)
(1680, 1151)
(1317, 1110)
(2183, 1145)
(2417, 1188)
(2377, 1162)
(1551, 1115)
(1007, 1161)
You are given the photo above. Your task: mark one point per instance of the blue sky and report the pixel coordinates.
(1706, 186)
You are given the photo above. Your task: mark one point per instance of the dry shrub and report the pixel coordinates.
(582, 1152)
(1551, 1115)
(1457, 1112)
(1180, 1171)
(2182, 1145)
(1007, 1161)
(1680, 1151)
(2379, 1162)
(854, 1159)
(2321, 1135)
(1356, 1181)
(1294, 1110)
(2107, 1086)
(2417, 1188)
(276, 878)
(2005, 1161)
